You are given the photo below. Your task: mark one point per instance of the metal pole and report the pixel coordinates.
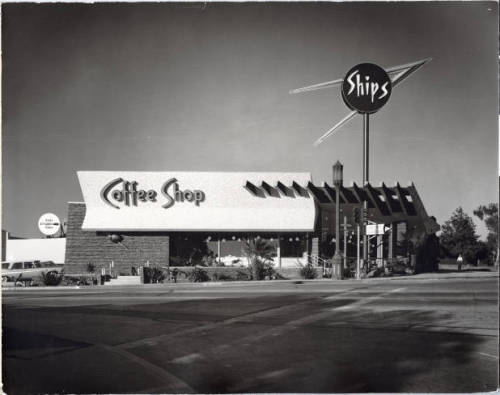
(391, 244)
(366, 148)
(337, 220)
(366, 160)
(278, 249)
(218, 248)
(358, 266)
(337, 258)
(345, 241)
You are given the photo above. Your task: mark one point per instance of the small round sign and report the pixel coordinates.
(49, 224)
(366, 88)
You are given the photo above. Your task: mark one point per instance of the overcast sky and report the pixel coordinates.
(189, 87)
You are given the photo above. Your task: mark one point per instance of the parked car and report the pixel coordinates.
(11, 271)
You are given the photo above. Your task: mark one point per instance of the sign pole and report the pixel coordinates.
(358, 266)
(366, 150)
(366, 160)
(345, 241)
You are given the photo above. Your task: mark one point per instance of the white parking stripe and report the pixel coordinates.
(367, 300)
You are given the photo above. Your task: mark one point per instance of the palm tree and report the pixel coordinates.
(259, 253)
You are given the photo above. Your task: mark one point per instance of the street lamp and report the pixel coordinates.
(337, 181)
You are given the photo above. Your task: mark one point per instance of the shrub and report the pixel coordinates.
(153, 275)
(243, 275)
(260, 269)
(198, 275)
(308, 272)
(52, 277)
(279, 276)
(221, 277)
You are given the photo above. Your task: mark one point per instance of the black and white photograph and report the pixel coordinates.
(250, 197)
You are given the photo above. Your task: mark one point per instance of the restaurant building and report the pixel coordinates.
(175, 218)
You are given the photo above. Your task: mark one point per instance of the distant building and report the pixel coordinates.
(18, 249)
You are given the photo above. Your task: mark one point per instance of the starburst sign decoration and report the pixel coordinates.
(368, 89)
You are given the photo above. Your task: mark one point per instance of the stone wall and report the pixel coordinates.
(136, 248)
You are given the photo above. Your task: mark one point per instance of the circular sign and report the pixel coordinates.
(366, 88)
(49, 224)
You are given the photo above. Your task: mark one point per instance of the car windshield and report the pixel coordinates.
(5, 265)
(48, 264)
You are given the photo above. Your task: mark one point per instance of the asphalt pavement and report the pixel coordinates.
(437, 334)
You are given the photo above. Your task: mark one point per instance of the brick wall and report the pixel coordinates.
(136, 248)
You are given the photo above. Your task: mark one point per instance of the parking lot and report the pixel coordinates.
(399, 335)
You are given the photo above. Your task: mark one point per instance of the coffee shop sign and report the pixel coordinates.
(121, 192)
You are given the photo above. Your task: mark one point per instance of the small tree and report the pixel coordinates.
(489, 214)
(459, 236)
(259, 253)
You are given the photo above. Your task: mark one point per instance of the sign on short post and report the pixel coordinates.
(49, 224)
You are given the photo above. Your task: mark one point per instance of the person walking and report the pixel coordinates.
(459, 262)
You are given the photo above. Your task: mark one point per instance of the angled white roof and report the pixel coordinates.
(221, 201)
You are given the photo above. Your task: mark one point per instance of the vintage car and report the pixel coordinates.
(27, 270)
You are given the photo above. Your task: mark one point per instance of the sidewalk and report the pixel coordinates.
(440, 275)
(418, 277)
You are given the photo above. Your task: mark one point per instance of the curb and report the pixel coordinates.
(422, 277)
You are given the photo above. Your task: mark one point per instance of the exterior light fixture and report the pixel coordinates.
(338, 176)
(117, 239)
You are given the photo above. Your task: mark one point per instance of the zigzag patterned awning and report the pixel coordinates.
(386, 200)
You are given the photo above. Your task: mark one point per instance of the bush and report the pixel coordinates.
(153, 275)
(308, 272)
(52, 278)
(198, 275)
(221, 277)
(79, 280)
(243, 275)
(260, 269)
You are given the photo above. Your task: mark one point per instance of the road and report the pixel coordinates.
(432, 335)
